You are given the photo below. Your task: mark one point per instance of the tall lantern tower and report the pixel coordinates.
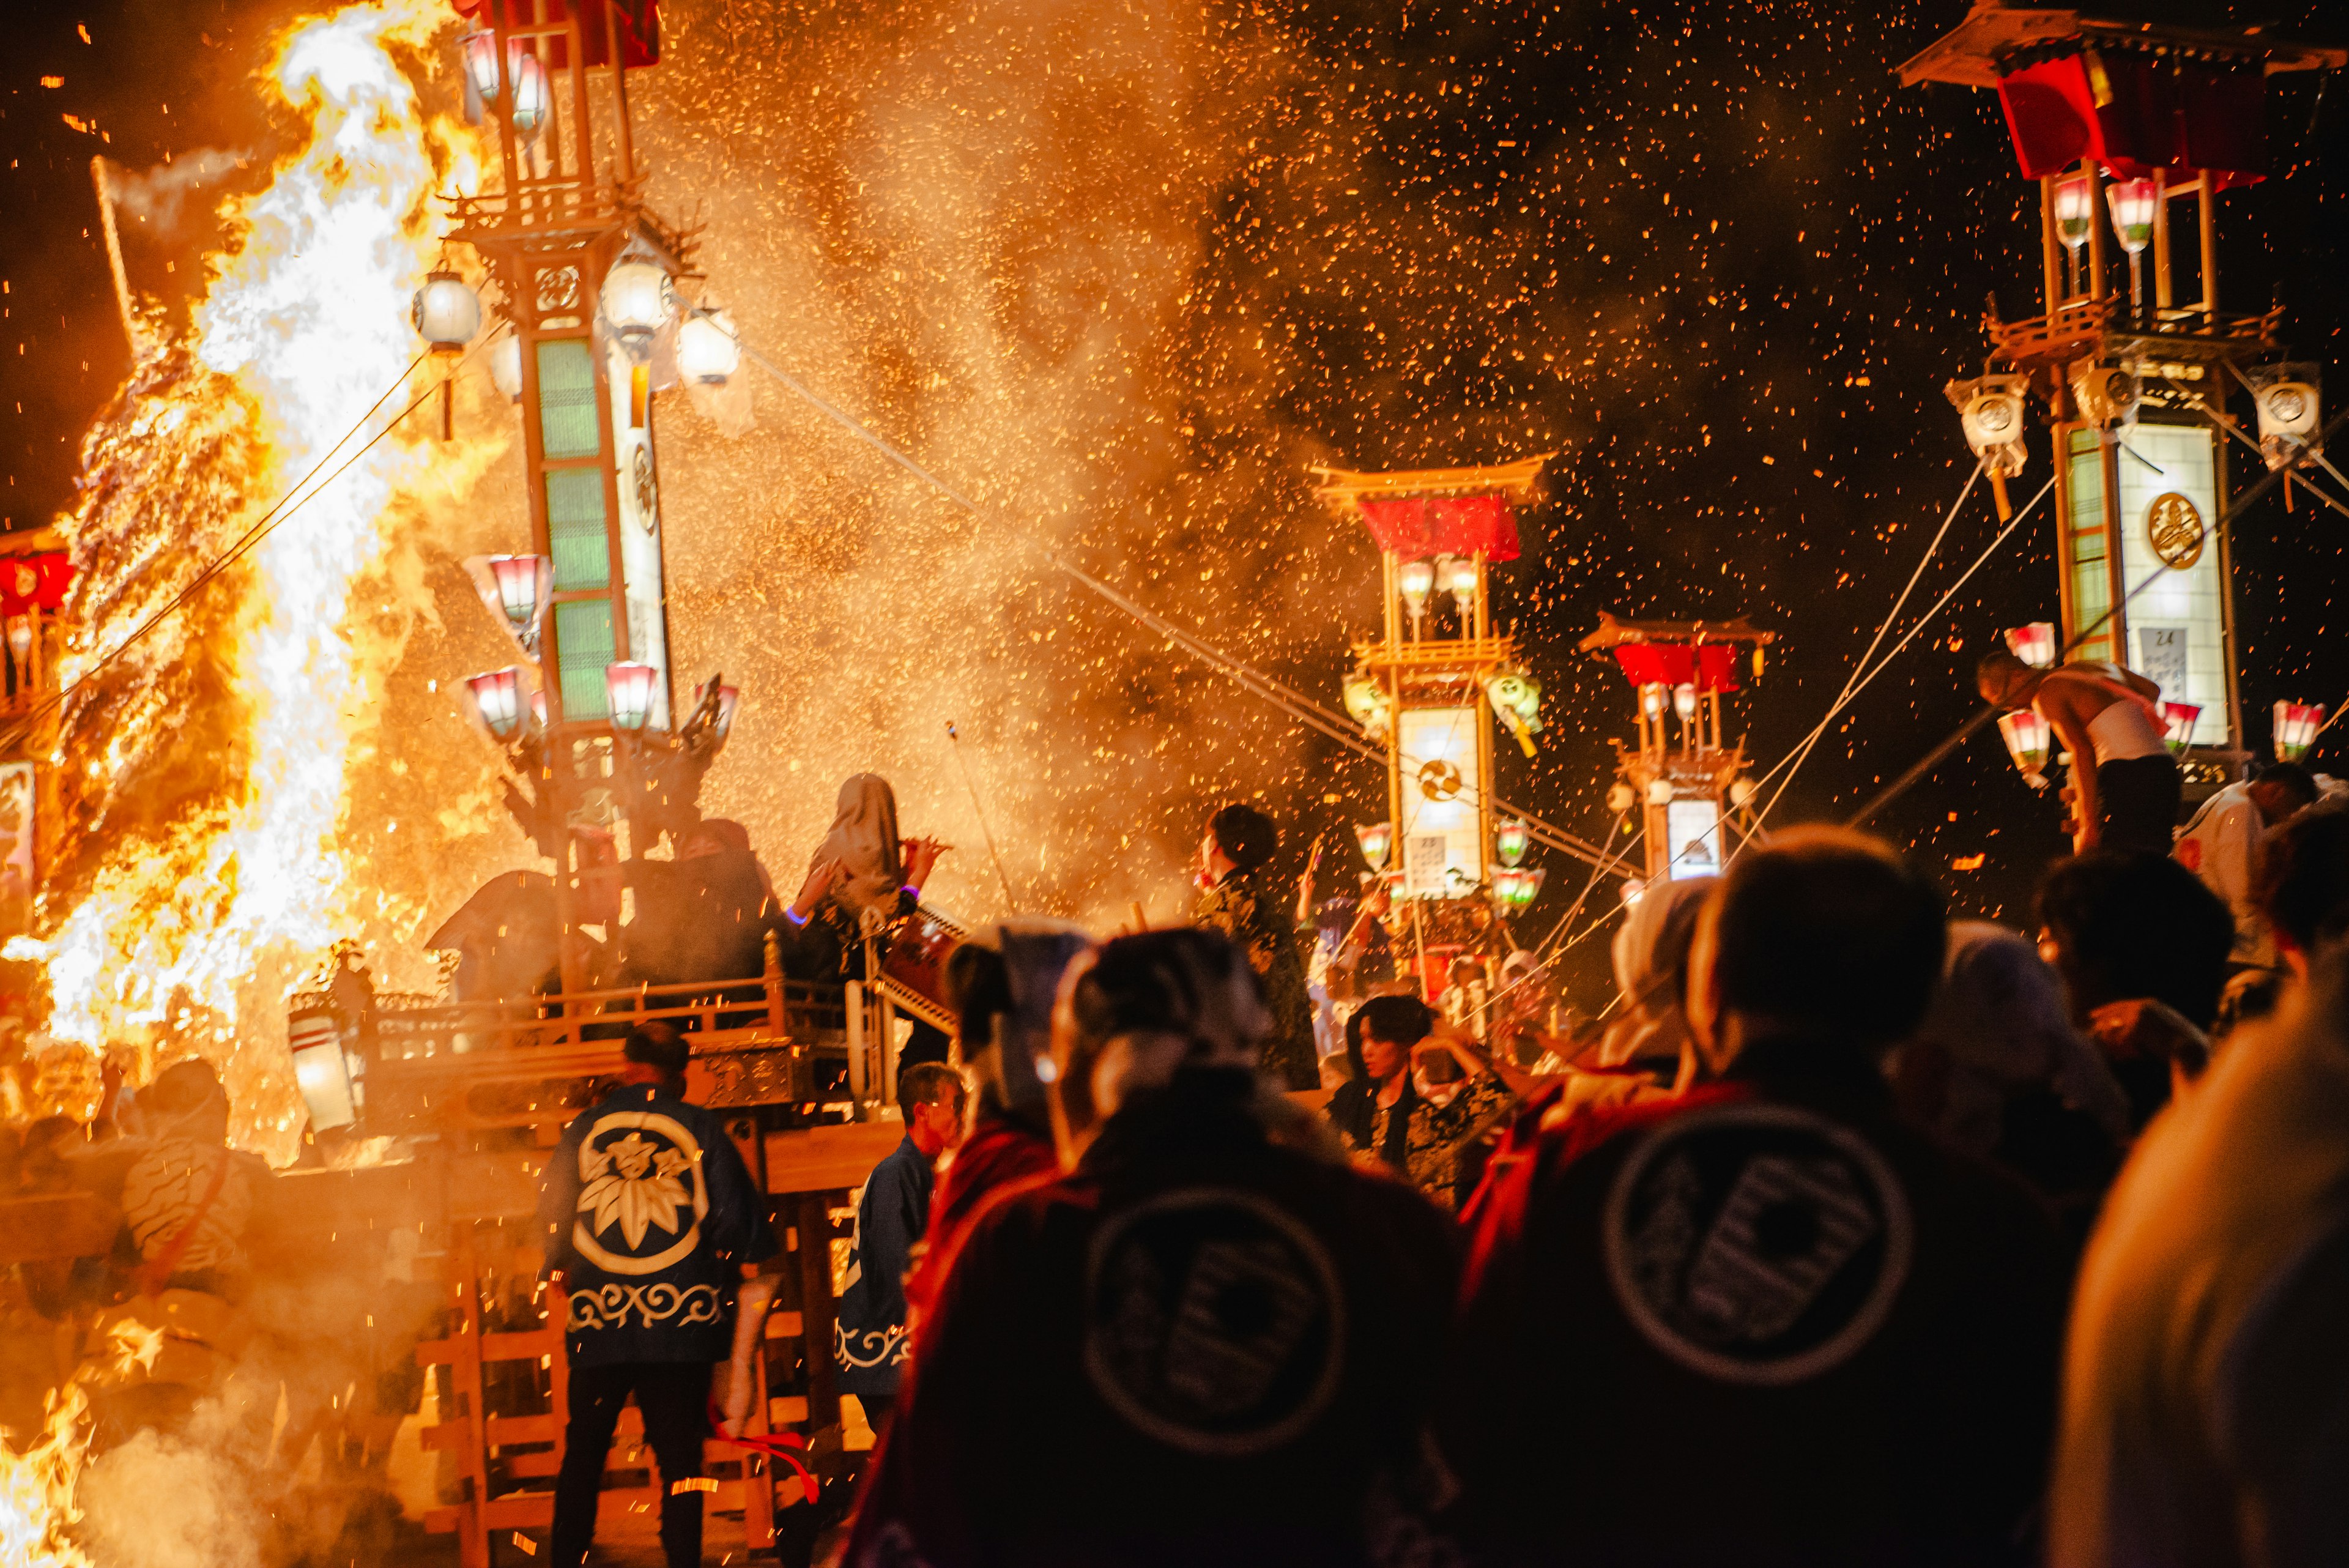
(1687, 785)
(1433, 686)
(585, 273)
(2133, 129)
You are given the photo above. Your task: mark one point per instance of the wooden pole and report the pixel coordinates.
(2050, 246)
(114, 257)
(2207, 214)
(2097, 287)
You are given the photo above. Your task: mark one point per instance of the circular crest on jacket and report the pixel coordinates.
(1214, 1322)
(1756, 1243)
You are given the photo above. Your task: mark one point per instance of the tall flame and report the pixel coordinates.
(204, 768)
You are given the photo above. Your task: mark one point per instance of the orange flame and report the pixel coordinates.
(201, 866)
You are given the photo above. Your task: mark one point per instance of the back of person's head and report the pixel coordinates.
(186, 1100)
(1823, 934)
(2126, 926)
(657, 1045)
(925, 1084)
(1999, 670)
(1403, 1021)
(1002, 983)
(1652, 946)
(1149, 1007)
(2291, 786)
(1245, 835)
(2303, 882)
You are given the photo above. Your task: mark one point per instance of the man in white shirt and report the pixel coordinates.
(2221, 846)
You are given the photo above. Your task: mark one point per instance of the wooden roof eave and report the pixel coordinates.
(1343, 486)
(1968, 54)
(1612, 633)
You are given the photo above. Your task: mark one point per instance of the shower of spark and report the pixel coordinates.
(203, 864)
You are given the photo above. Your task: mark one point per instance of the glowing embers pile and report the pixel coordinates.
(204, 770)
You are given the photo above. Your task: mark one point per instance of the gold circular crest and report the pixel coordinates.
(1439, 780)
(2174, 528)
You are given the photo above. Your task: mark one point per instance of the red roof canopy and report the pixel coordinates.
(1708, 666)
(1422, 525)
(2138, 114)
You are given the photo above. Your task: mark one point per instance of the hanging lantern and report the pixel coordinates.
(628, 686)
(481, 52)
(530, 96)
(1516, 697)
(2177, 725)
(1460, 582)
(638, 299)
(321, 1070)
(728, 696)
(1621, 797)
(1371, 704)
(1417, 580)
(1510, 841)
(446, 311)
(1684, 700)
(538, 712)
(1741, 791)
(2074, 212)
(1504, 880)
(1662, 792)
(497, 702)
(1653, 697)
(2034, 644)
(2134, 202)
(505, 366)
(2027, 736)
(1528, 886)
(523, 584)
(2296, 724)
(1376, 838)
(707, 350)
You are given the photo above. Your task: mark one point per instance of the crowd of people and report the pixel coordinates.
(1849, 1234)
(1858, 1236)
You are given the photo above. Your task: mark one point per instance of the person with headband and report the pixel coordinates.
(1237, 899)
(1002, 983)
(1222, 1340)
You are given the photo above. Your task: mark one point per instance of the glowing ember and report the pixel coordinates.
(205, 769)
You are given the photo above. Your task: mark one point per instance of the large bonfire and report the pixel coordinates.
(205, 765)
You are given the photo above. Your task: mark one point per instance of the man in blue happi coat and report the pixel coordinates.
(656, 1229)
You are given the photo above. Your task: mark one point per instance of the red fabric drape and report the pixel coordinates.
(1417, 526)
(34, 579)
(1709, 667)
(2157, 114)
(639, 27)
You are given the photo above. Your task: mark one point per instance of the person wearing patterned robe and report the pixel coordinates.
(1237, 901)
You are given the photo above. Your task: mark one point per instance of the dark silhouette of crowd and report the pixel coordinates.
(1860, 1237)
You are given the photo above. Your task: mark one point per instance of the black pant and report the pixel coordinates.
(2138, 798)
(672, 1396)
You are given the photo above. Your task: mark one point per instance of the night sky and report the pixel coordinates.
(1710, 254)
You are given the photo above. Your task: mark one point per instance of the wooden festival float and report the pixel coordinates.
(1433, 688)
(1690, 787)
(2145, 123)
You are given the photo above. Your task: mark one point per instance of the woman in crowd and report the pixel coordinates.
(1389, 1115)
